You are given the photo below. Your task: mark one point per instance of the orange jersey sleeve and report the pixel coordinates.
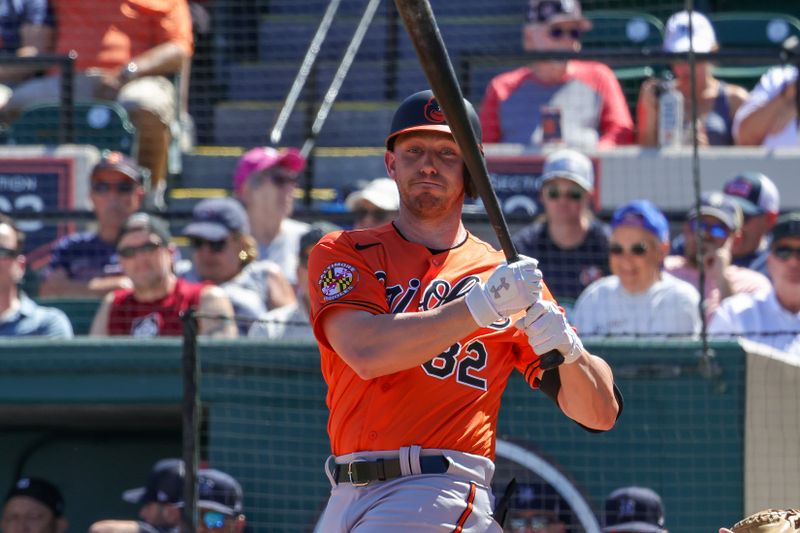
(449, 402)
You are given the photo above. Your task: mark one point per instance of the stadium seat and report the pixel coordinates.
(102, 124)
(616, 28)
(80, 311)
(740, 29)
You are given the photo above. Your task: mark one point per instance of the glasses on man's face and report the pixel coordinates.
(639, 249)
(717, 231)
(558, 33)
(785, 252)
(103, 187)
(131, 251)
(214, 246)
(531, 523)
(554, 193)
(8, 253)
(214, 519)
(376, 214)
(278, 178)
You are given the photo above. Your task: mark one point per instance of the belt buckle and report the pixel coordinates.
(350, 474)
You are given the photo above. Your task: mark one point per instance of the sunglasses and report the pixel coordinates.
(214, 246)
(534, 523)
(131, 251)
(8, 253)
(785, 252)
(639, 249)
(717, 231)
(102, 187)
(377, 214)
(214, 520)
(560, 33)
(554, 193)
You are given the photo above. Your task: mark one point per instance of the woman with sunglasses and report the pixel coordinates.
(712, 231)
(770, 317)
(638, 299)
(569, 242)
(584, 98)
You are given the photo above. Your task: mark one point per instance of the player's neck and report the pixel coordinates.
(434, 233)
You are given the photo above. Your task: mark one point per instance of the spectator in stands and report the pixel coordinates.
(537, 508)
(125, 52)
(86, 264)
(291, 322)
(634, 510)
(155, 304)
(717, 101)
(570, 244)
(160, 500)
(33, 505)
(224, 253)
(767, 521)
(638, 298)
(760, 202)
(719, 221)
(265, 181)
(219, 502)
(583, 98)
(19, 315)
(772, 316)
(26, 29)
(375, 204)
(769, 115)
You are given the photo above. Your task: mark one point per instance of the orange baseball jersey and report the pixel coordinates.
(452, 400)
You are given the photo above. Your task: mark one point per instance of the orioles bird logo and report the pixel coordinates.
(433, 113)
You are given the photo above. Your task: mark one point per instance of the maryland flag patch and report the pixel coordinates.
(337, 280)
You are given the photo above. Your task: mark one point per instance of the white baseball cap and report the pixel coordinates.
(676, 34)
(380, 192)
(571, 165)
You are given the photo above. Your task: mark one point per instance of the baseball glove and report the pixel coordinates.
(770, 521)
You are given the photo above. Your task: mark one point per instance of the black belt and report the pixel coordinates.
(362, 472)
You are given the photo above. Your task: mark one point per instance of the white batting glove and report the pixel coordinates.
(510, 289)
(547, 329)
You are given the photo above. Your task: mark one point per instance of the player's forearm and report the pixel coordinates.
(378, 345)
(587, 392)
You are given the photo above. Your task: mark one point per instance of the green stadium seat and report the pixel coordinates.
(615, 28)
(757, 30)
(80, 311)
(99, 123)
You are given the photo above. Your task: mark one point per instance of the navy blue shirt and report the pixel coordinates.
(566, 272)
(34, 320)
(15, 13)
(85, 256)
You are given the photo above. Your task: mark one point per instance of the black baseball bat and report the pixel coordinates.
(421, 25)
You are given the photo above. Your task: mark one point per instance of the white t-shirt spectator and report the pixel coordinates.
(769, 86)
(758, 317)
(668, 307)
(287, 323)
(285, 247)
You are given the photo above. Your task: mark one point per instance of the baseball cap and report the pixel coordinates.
(146, 222)
(317, 231)
(380, 192)
(676, 33)
(635, 510)
(754, 192)
(215, 218)
(164, 484)
(119, 162)
(553, 11)
(769, 521)
(643, 214)
(540, 497)
(421, 112)
(569, 164)
(787, 225)
(218, 491)
(265, 157)
(40, 490)
(721, 206)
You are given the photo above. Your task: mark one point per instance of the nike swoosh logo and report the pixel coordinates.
(360, 247)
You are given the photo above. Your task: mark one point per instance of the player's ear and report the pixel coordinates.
(389, 162)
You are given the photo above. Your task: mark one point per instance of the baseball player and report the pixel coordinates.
(415, 321)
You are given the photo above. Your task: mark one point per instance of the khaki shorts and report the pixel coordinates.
(151, 93)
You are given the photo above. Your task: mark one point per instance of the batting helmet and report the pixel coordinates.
(421, 112)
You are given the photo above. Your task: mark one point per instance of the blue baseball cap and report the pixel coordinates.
(219, 492)
(643, 214)
(216, 218)
(635, 510)
(164, 484)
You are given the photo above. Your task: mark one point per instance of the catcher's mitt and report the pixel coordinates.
(770, 521)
